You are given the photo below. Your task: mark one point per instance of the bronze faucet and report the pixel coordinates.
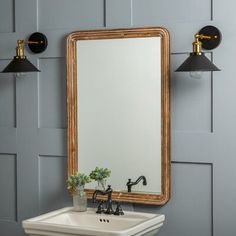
(107, 192)
(130, 183)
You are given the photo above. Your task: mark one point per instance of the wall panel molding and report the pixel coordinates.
(7, 15)
(52, 142)
(193, 189)
(8, 185)
(190, 208)
(7, 98)
(52, 182)
(114, 9)
(211, 189)
(57, 17)
(52, 93)
(160, 12)
(8, 140)
(25, 16)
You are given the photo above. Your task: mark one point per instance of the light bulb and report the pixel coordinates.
(19, 74)
(195, 74)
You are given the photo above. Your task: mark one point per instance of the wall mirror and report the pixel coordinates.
(118, 104)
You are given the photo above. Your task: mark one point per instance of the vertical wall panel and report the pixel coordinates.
(114, 9)
(7, 98)
(154, 11)
(61, 14)
(25, 16)
(8, 192)
(52, 183)
(52, 93)
(7, 16)
(189, 211)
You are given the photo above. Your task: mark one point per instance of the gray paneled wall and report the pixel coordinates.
(189, 212)
(33, 111)
(52, 90)
(8, 209)
(153, 11)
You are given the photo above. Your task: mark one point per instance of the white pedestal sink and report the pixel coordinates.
(65, 222)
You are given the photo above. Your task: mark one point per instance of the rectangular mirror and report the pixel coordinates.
(118, 102)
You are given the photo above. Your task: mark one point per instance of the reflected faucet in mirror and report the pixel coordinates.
(130, 183)
(107, 192)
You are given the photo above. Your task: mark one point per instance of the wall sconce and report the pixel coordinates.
(208, 38)
(37, 43)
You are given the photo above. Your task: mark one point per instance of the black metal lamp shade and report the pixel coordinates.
(37, 43)
(18, 65)
(197, 63)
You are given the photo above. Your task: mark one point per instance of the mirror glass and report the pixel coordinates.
(119, 107)
(118, 85)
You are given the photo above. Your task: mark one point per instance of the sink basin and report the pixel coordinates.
(65, 222)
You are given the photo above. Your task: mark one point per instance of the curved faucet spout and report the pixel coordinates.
(142, 177)
(96, 192)
(107, 192)
(130, 183)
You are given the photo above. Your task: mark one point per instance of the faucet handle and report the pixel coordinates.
(118, 211)
(100, 209)
(109, 189)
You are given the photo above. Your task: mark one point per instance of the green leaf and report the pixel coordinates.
(79, 179)
(99, 174)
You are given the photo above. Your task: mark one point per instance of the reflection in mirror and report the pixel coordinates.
(119, 104)
(118, 110)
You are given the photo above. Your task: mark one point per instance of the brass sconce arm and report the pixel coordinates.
(201, 36)
(197, 44)
(20, 53)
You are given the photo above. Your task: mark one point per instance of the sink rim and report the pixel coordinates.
(34, 225)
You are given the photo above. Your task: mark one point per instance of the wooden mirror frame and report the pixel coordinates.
(71, 64)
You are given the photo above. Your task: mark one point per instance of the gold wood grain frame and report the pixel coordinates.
(72, 114)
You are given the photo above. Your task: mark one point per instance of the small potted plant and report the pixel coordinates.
(75, 184)
(100, 175)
